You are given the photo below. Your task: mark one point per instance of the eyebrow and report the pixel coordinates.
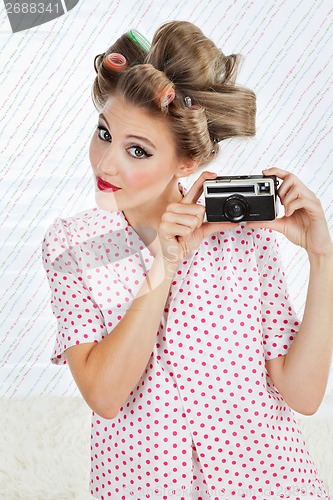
(143, 139)
(136, 137)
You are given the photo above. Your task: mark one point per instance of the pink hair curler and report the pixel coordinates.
(115, 61)
(167, 96)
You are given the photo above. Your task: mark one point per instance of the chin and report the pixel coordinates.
(107, 201)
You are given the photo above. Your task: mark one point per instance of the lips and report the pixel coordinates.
(105, 186)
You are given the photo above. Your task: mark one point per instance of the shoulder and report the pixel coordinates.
(64, 234)
(84, 224)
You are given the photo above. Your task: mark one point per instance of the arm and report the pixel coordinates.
(301, 375)
(107, 372)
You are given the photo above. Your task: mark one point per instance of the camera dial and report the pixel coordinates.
(235, 208)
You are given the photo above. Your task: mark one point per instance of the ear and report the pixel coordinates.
(187, 167)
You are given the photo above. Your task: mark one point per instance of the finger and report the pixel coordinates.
(286, 186)
(290, 196)
(196, 190)
(312, 207)
(172, 230)
(189, 209)
(293, 183)
(192, 221)
(298, 192)
(282, 174)
(289, 181)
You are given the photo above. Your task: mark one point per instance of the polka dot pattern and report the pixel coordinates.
(204, 421)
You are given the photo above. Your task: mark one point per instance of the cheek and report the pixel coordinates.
(93, 152)
(142, 179)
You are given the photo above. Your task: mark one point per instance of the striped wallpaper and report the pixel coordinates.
(47, 119)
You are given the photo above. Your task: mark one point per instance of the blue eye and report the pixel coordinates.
(103, 129)
(138, 152)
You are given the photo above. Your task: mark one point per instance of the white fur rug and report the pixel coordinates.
(45, 448)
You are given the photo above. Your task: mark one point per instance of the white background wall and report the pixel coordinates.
(47, 118)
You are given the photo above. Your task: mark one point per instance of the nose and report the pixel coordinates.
(107, 166)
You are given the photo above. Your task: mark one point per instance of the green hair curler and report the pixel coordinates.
(139, 40)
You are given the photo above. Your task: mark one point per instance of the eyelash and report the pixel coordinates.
(99, 127)
(147, 155)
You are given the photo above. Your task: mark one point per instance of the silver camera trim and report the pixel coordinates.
(240, 181)
(240, 185)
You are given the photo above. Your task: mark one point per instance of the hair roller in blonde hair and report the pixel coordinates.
(115, 61)
(188, 103)
(139, 40)
(166, 96)
(185, 77)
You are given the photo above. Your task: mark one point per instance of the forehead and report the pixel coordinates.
(125, 117)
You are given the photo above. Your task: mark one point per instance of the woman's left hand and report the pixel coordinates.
(304, 222)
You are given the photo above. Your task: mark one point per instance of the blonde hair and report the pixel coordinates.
(185, 78)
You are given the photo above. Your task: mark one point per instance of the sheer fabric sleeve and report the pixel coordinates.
(79, 319)
(280, 323)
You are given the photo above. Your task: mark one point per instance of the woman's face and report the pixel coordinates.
(135, 152)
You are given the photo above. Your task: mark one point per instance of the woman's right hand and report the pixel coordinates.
(182, 228)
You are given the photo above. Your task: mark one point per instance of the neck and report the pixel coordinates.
(146, 220)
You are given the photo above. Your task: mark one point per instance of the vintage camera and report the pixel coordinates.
(241, 198)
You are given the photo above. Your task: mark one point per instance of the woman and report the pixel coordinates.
(178, 332)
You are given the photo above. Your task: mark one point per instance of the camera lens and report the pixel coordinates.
(235, 208)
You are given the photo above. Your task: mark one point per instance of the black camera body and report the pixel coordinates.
(241, 198)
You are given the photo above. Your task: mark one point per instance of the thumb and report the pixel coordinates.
(276, 225)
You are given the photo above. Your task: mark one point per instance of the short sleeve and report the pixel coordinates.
(79, 319)
(280, 323)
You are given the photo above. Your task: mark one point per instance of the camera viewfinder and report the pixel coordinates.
(264, 187)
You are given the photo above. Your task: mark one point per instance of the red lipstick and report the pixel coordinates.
(105, 186)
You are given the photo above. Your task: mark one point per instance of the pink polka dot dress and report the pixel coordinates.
(204, 421)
